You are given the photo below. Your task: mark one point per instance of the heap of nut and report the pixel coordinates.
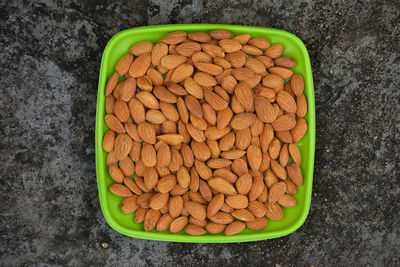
(209, 123)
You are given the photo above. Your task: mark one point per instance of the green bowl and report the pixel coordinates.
(294, 217)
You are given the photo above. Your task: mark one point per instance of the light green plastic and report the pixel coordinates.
(293, 217)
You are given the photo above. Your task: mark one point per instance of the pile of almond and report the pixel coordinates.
(209, 123)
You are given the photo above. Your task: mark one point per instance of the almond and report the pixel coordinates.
(218, 163)
(147, 132)
(120, 190)
(221, 218)
(137, 110)
(166, 183)
(291, 187)
(284, 123)
(222, 62)
(128, 182)
(118, 89)
(127, 167)
(144, 200)
(256, 208)
(299, 130)
(301, 104)
(144, 83)
(215, 228)
(163, 94)
(244, 184)
(295, 153)
(198, 122)
(294, 173)
(141, 48)
(196, 210)
(260, 43)
(159, 50)
(178, 224)
(274, 148)
(110, 102)
(159, 200)
(286, 101)
(175, 206)
(243, 215)
(123, 64)
(115, 173)
(213, 50)
(155, 116)
(239, 166)
(287, 201)
(140, 183)
(244, 94)
(208, 68)
(194, 180)
(243, 138)
(251, 50)
(256, 189)
(187, 49)
(194, 221)
(265, 162)
(234, 228)
(178, 190)
(171, 139)
(148, 100)
(276, 191)
(108, 141)
(214, 148)
(172, 61)
(192, 229)
(204, 79)
(140, 214)
(227, 142)
(223, 118)
(221, 186)
(111, 83)
(164, 222)
(237, 201)
(254, 157)
(183, 177)
(242, 73)
(297, 83)
(201, 57)
(230, 45)
(150, 177)
(170, 112)
(233, 154)
(182, 109)
(266, 137)
(284, 136)
(174, 37)
(225, 174)
(149, 156)
(114, 124)
(151, 219)
(284, 73)
(274, 51)
(255, 65)
(176, 160)
(274, 212)
(128, 205)
(200, 151)
(197, 197)
(193, 88)
(264, 110)
(163, 155)
(140, 65)
(215, 205)
(187, 156)
(220, 34)
(285, 62)
(284, 155)
(213, 133)
(203, 170)
(278, 170)
(209, 114)
(199, 37)
(258, 223)
(193, 105)
(242, 121)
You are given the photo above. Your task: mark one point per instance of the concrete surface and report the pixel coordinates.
(49, 62)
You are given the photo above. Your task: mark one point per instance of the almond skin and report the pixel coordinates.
(116, 174)
(222, 218)
(147, 132)
(196, 210)
(254, 157)
(120, 190)
(114, 124)
(284, 123)
(297, 83)
(140, 65)
(178, 224)
(215, 204)
(264, 110)
(257, 208)
(222, 186)
(108, 141)
(237, 201)
(242, 121)
(274, 212)
(258, 224)
(295, 153)
(287, 201)
(215, 228)
(175, 206)
(301, 104)
(270, 178)
(276, 192)
(286, 101)
(166, 183)
(128, 205)
(294, 173)
(244, 94)
(192, 229)
(299, 129)
(215, 101)
(244, 184)
(243, 215)
(234, 228)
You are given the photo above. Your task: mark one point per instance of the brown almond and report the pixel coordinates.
(258, 224)
(217, 102)
(242, 38)
(201, 57)
(159, 200)
(204, 79)
(256, 189)
(230, 45)
(111, 83)
(123, 64)
(120, 190)
(251, 50)
(108, 141)
(131, 184)
(222, 186)
(223, 118)
(213, 50)
(141, 48)
(284, 123)
(175, 206)
(178, 224)
(278, 169)
(193, 88)
(227, 142)
(200, 150)
(174, 37)
(147, 132)
(193, 229)
(222, 62)
(213, 133)
(244, 184)
(237, 201)
(284, 136)
(260, 43)
(193, 105)
(243, 215)
(254, 157)
(164, 222)
(215, 204)
(242, 121)
(218, 163)
(199, 37)
(291, 187)
(215, 228)
(116, 174)
(222, 218)
(149, 156)
(285, 62)
(140, 65)
(137, 110)
(257, 208)
(183, 110)
(243, 138)
(234, 228)
(148, 100)
(274, 51)
(294, 173)
(166, 183)
(214, 148)
(299, 129)
(287, 201)
(209, 68)
(233, 154)
(264, 110)
(274, 212)
(220, 34)
(127, 167)
(209, 114)
(297, 83)
(187, 49)
(196, 210)
(284, 155)
(155, 116)
(163, 155)
(150, 177)
(163, 94)
(158, 51)
(244, 94)
(274, 148)
(110, 102)
(239, 166)
(295, 153)
(187, 156)
(128, 205)
(203, 170)
(114, 124)
(276, 191)
(301, 104)
(176, 160)
(140, 183)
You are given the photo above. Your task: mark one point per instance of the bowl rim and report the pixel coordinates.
(184, 237)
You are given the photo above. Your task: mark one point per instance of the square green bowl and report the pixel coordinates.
(125, 224)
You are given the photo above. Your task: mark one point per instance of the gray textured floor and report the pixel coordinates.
(49, 61)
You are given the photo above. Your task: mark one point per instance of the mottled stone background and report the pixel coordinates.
(50, 54)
